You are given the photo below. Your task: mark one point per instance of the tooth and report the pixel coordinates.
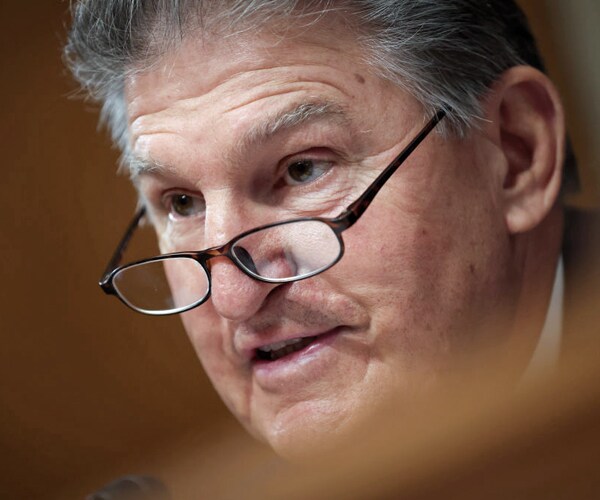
(279, 345)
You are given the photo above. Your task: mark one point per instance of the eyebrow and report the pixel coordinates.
(299, 114)
(259, 133)
(147, 166)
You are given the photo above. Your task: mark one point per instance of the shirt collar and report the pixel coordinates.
(547, 350)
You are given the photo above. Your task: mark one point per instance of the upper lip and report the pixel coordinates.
(246, 344)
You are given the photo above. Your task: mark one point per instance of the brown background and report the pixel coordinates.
(88, 389)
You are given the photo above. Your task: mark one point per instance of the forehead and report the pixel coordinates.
(213, 95)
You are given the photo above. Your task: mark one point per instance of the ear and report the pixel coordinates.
(526, 121)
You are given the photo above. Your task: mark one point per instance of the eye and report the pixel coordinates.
(184, 205)
(305, 170)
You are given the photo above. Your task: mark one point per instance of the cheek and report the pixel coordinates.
(428, 279)
(387, 258)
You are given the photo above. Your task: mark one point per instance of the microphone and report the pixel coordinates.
(132, 487)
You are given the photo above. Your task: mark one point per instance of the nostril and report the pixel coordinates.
(244, 258)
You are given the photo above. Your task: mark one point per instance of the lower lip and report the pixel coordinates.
(304, 365)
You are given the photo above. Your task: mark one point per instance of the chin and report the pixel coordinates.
(310, 428)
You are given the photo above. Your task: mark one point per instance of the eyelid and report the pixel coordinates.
(155, 190)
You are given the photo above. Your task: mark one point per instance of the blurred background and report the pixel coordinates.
(89, 390)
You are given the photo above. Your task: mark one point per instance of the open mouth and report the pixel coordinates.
(278, 350)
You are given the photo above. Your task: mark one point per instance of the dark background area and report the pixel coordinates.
(89, 389)
(86, 386)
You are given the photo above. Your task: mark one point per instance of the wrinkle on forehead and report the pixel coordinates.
(162, 105)
(155, 96)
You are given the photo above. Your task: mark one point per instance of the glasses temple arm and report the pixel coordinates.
(358, 207)
(116, 258)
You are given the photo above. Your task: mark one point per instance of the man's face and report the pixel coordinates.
(423, 268)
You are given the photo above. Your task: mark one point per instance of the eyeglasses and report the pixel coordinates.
(281, 252)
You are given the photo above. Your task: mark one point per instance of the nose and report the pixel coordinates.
(234, 295)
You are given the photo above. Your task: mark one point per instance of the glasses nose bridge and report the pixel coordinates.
(224, 251)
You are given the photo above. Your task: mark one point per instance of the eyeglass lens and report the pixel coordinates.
(163, 285)
(289, 250)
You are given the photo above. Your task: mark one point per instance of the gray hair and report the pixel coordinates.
(446, 53)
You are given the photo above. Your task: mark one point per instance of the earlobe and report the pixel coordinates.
(528, 121)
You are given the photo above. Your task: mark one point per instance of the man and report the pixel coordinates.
(233, 115)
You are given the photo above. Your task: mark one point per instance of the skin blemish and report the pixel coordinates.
(359, 78)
